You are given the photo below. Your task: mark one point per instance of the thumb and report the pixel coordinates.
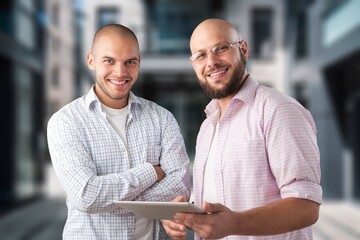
(179, 199)
(213, 207)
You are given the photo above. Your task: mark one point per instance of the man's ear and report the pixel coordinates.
(244, 48)
(90, 60)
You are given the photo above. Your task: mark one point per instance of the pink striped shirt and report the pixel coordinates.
(266, 150)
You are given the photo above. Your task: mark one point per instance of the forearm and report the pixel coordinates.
(174, 184)
(279, 217)
(91, 193)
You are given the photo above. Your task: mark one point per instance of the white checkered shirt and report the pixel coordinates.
(95, 168)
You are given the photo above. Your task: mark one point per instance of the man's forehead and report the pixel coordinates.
(110, 33)
(209, 34)
(114, 40)
(207, 39)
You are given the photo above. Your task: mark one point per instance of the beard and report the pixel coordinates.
(232, 87)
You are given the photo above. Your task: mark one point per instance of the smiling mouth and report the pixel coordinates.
(118, 82)
(215, 74)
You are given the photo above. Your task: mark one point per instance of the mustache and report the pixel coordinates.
(217, 67)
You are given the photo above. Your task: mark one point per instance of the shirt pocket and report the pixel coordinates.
(153, 154)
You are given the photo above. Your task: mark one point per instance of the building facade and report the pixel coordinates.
(22, 93)
(60, 55)
(328, 76)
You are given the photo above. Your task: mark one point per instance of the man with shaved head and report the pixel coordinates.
(111, 145)
(257, 166)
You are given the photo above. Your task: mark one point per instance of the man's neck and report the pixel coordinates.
(224, 102)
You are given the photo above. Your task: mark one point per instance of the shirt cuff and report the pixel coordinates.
(145, 175)
(303, 189)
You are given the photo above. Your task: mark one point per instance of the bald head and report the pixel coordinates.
(212, 29)
(112, 29)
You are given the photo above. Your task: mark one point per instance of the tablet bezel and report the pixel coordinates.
(158, 210)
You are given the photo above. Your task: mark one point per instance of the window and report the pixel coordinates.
(55, 44)
(301, 34)
(6, 19)
(332, 5)
(55, 14)
(55, 77)
(25, 134)
(107, 15)
(262, 23)
(302, 93)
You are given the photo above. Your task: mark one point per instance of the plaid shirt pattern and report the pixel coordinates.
(95, 168)
(266, 150)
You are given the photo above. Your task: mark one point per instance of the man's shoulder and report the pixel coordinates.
(71, 110)
(270, 101)
(272, 97)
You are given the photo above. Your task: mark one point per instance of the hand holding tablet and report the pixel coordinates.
(159, 210)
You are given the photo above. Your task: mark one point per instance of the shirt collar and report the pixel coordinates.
(93, 102)
(246, 94)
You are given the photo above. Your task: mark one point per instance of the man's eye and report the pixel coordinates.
(222, 48)
(109, 61)
(131, 62)
(200, 56)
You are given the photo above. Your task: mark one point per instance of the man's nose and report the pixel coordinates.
(120, 69)
(212, 59)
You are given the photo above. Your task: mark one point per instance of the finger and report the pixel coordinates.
(202, 230)
(177, 235)
(175, 230)
(179, 199)
(189, 217)
(212, 207)
(173, 226)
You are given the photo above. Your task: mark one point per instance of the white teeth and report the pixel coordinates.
(118, 83)
(217, 73)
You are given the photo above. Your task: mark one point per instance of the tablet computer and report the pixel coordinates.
(159, 210)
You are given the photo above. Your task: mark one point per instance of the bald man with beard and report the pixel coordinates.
(257, 164)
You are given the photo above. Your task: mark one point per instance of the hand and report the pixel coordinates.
(159, 172)
(216, 224)
(174, 229)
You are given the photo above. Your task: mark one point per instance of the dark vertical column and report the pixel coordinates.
(354, 140)
(7, 108)
(7, 133)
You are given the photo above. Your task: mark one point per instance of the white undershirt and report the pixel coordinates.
(144, 228)
(209, 194)
(117, 119)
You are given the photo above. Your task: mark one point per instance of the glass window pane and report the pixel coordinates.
(262, 21)
(107, 15)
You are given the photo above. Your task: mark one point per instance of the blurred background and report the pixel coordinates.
(308, 49)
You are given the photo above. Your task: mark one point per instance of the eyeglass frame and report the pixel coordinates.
(213, 50)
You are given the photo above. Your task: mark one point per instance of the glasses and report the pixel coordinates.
(217, 50)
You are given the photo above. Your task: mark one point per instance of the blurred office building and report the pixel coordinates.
(309, 49)
(61, 71)
(22, 95)
(323, 73)
(60, 45)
